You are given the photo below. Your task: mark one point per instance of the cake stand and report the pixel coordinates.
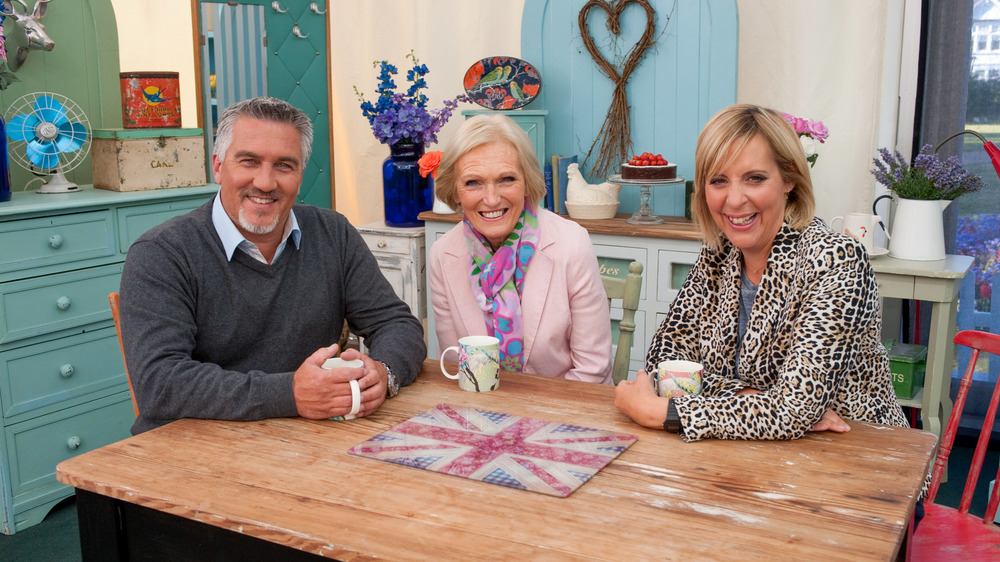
(644, 214)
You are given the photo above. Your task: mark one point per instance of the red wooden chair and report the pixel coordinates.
(947, 533)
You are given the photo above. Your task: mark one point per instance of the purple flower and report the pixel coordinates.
(404, 116)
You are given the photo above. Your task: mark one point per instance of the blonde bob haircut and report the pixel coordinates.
(485, 129)
(730, 130)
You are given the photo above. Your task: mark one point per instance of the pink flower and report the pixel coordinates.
(818, 130)
(801, 125)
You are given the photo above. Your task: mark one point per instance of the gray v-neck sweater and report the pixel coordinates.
(209, 338)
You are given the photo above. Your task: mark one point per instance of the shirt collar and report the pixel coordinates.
(232, 238)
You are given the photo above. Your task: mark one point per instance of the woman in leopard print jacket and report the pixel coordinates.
(782, 313)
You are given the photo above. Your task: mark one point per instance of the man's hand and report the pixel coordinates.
(325, 393)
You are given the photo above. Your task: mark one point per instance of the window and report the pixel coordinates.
(960, 90)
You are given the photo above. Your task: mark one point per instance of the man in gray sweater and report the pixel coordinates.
(229, 312)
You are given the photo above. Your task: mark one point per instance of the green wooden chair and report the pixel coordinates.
(627, 290)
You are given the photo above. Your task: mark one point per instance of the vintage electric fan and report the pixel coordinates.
(48, 135)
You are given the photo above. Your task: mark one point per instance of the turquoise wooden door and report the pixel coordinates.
(279, 49)
(682, 80)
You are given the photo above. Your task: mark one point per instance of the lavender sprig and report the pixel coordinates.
(927, 178)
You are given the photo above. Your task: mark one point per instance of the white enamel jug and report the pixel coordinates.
(917, 228)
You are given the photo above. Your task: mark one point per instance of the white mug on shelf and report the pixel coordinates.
(860, 226)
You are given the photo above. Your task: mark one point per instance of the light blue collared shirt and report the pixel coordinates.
(232, 238)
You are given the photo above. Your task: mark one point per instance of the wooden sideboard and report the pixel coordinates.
(666, 251)
(62, 384)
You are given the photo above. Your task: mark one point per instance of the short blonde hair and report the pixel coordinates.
(731, 129)
(485, 129)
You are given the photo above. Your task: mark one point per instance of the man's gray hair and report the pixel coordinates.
(266, 109)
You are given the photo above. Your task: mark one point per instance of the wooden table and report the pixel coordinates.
(216, 487)
(937, 282)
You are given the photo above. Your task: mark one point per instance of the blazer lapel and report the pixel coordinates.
(538, 282)
(460, 291)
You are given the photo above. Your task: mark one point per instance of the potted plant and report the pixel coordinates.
(402, 121)
(922, 191)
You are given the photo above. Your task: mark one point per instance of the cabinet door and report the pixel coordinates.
(402, 276)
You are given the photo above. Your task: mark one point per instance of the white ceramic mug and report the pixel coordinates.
(860, 226)
(676, 377)
(337, 363)
(478, 363)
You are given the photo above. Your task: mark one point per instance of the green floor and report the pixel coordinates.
(56, 539)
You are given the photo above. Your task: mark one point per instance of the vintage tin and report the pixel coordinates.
(150, 99)
(908, 363)
(139, 160)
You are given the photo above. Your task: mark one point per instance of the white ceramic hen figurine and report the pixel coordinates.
(579, 191)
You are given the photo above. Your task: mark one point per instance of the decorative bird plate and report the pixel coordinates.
(502, 83)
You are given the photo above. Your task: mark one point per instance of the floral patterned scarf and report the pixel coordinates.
(496, 279)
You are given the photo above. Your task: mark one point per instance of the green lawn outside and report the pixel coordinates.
(988, 199)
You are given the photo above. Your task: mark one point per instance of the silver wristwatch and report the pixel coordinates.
(392, 385)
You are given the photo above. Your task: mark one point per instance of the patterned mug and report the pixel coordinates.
(677, 378)
(478, 363)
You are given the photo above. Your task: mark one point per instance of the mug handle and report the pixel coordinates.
(833, 221)
(443, 371)
(875, 212)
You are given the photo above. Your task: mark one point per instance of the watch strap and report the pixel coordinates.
(392, 385)
(673, 422)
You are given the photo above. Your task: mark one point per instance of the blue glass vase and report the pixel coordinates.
(5, 193)
(406, 194)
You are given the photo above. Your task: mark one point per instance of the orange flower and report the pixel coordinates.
(429, 163)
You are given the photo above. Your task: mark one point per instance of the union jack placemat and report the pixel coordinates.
(526, 453)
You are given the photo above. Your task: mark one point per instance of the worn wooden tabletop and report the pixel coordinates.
(291, 481)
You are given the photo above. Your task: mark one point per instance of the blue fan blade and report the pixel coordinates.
(22, 127)
(45, 155)
(49, 109)
(71, 136)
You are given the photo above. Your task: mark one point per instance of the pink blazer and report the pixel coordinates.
(564, 310)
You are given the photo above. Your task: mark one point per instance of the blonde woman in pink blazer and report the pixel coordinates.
(511, 269)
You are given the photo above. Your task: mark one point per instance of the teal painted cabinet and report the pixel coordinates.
(62, 383)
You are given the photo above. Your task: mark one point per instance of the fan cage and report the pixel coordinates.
(17, 149)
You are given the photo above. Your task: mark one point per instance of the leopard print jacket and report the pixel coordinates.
(812, 341)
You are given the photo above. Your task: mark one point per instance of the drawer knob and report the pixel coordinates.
(63, 303)
(381, 244)
(73, 442)
(66, 370)
(55, 241)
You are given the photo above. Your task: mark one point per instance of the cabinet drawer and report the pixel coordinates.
(36, 446)
(47, 241)
(43, 374)
(380, 243)
(57, 302)
(672, 269)
(133, 221)
(614, 261)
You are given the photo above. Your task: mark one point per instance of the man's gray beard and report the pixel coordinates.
(257, 229)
